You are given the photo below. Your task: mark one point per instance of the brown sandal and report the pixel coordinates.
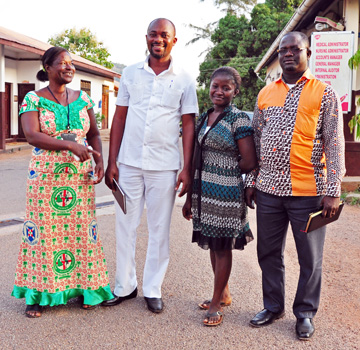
(88, 307)
(214, 314)
(206, 304)
(33, 311)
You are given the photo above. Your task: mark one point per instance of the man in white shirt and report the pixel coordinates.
(144, 158)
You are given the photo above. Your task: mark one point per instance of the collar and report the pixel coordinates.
(172, 68)
(306, 76)
(226, 109)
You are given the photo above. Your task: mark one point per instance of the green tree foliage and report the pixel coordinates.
(240, 42)
(202, 34)
(225, 39)
(83, 43)
(354, 122)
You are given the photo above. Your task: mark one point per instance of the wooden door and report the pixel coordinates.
(23, 89)
(105, 107)
(7, 110)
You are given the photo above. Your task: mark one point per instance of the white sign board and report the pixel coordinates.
(331, 52)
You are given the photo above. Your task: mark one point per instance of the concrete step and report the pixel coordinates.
(350, 184)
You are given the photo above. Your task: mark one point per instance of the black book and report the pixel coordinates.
(316, 220)
(119, 196)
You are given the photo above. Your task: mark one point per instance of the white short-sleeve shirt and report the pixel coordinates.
(156, 104)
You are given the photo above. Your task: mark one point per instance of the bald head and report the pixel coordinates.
(299, 35)
(161, 19)
(160, 39)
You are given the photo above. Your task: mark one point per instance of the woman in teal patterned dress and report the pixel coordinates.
(224, 150)
(61, 256)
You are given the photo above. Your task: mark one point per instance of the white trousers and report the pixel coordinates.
(156, 189)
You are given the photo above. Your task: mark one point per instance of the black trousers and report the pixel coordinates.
(273, 216)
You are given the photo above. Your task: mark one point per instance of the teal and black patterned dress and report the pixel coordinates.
(219, 211)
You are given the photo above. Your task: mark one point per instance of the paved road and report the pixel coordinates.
(188, 281)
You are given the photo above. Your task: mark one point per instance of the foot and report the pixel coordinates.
(155, 305)
(33, 311)
(213, 319)
(265, 317)
(117, 300)
(88, 307)
(205, 305)
(304, 328)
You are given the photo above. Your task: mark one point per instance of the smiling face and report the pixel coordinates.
(294, 54)
(62, 69)
(160, 38)
(222, 90)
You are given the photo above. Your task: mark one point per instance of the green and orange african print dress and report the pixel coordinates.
(61, 256)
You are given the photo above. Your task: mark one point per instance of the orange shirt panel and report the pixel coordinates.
(271, 97)
(301, 167)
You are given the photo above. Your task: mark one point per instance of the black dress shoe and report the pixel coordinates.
(265, 317)
(117, 300)
(154, 304)
(304, 328)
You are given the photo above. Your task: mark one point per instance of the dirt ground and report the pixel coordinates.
(189, 280)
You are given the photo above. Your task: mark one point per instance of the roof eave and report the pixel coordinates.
(303, 11)
(101, 71)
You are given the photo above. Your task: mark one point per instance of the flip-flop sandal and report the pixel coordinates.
(214, 314)
(33, 309)
(88, 307)
(206, 304)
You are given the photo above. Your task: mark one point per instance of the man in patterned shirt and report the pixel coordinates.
(300, 147)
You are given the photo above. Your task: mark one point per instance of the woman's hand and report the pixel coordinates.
(186, 209)
(98, 172)
(82, 152)
(250, 197)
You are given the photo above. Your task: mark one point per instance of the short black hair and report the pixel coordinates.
(48, 59)
(231, 72)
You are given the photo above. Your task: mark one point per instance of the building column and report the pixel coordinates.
(2, 97)
(352, 147)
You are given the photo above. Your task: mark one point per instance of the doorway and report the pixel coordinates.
(23, 89)
(105, 106)
(7, 110)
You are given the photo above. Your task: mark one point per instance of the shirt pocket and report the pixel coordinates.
(171, 98)
(136, 92)
(306, 121)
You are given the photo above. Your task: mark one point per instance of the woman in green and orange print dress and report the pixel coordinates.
(61, 256)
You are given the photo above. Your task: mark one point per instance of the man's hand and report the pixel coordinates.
(250, 197)
(185, 179)
(330, 206)
(112, 172)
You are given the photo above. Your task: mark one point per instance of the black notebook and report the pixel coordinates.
(316, 220)
(119, 196)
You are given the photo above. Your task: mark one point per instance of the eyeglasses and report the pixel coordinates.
(293, 50)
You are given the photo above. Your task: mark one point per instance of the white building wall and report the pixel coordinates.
(17, 72)
(27, 71)
(273, 71)
(96, 90)
(352, 19)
